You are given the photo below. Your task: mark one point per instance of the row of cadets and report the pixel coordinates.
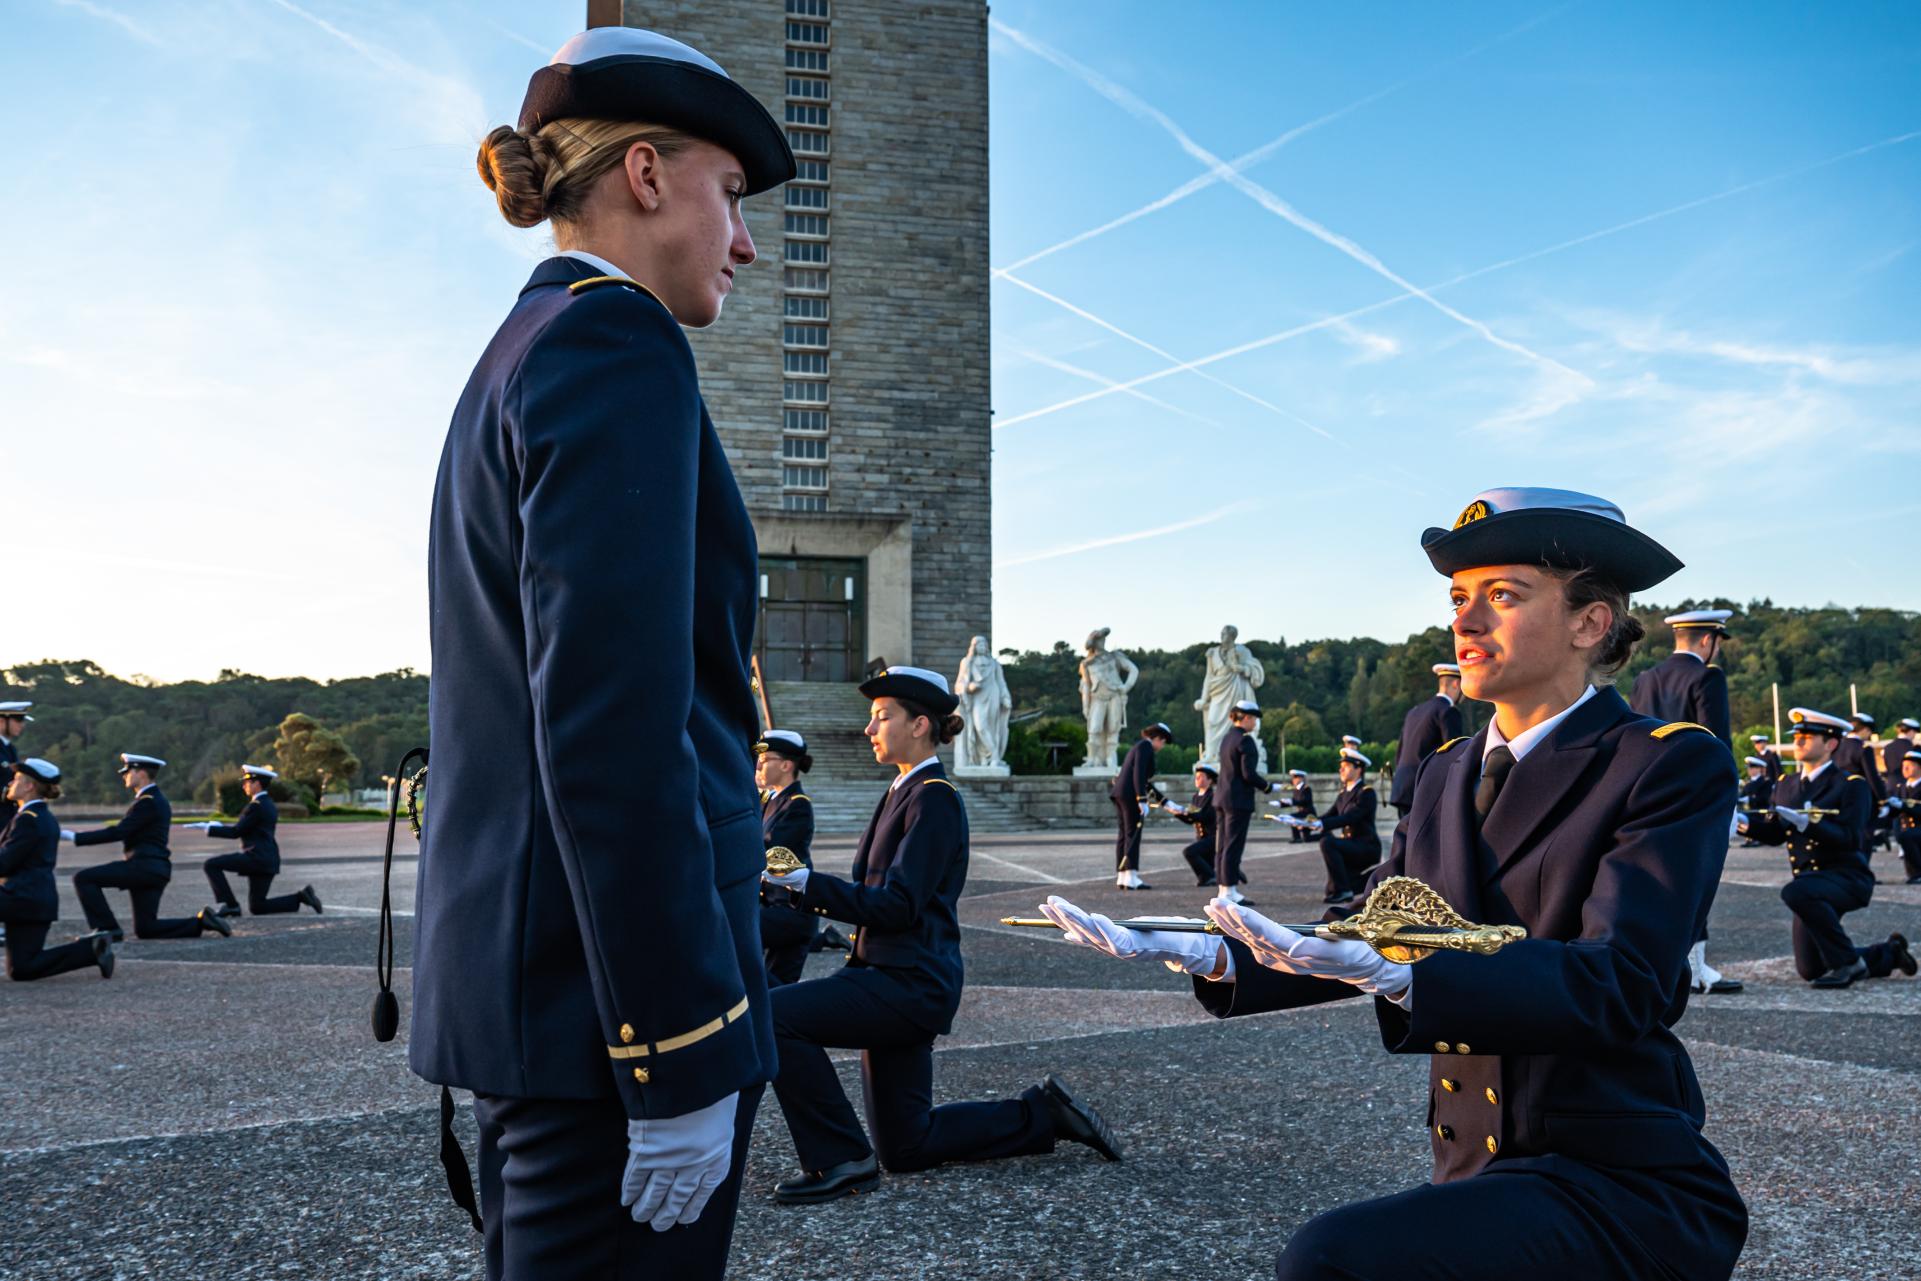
(1687, 687)
(145, 865)
(1566, 1138)
(29, 903)
(258, 859)
(1905, 797)
(1426, 726)
(787, 821)
(1350, 845)
(1887, 775)
(1234, 797)
(1132, 795)
(1199, 813)
(902, 982)
(1821, 814)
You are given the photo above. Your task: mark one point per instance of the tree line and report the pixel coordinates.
(1315, 691)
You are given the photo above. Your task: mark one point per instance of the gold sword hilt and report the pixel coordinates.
(781, 861)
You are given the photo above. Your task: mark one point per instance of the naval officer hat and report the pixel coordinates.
(1351, 754)
(623, 73)
(1203, 767)
(134, 760)
(915, 684)
(1863, 721)
(1351, 740)
(1555, 527)
(1247, 707)
(1757, 738)
(1160, 728)
(1715, 620)
(1908, 722)
(1808, 721)
(44, 770)
(15, 709)
(260, 772)
(1446, 669)
(1757, 763)
(1911, 756)
(781, 742)
(1297, 773)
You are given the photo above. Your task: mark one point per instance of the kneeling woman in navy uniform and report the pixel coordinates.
(1564, 1115)
(29, 904)
(901, 984)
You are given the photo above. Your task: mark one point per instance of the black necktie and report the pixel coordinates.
(1495, 767)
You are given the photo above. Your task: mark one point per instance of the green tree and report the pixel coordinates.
(308, 752)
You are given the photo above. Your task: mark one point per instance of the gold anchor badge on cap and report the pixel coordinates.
(1472, 512)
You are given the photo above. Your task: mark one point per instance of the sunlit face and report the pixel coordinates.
(1813, 749)
(898, 739)
(1755, 771)
(1911, 769)
(774, 771)
(23, 788)
(253, 784)
(1350, 773)
(695, 225)
(1514, 633)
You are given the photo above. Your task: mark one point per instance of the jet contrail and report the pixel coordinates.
(1326, 321)
(1128, 101)
(1208, 518)
(1053, 362)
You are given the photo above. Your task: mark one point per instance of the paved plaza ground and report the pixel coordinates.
(221, 1109)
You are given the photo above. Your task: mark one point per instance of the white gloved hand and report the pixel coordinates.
(1741, 824)
(1185, 953)
(66, 834)
(795, 880)
(675, 1163)
(1173, 808)
(1349, 960)
(1274, 805)
(1798, 821)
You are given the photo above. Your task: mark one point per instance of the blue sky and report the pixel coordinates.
(1663, 253)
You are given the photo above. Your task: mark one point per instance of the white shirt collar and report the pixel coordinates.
(895, 785)
(143, 791)
(38, 800)
(594, 260)
(1525, 741)
(1815, 773)
(1691, 654)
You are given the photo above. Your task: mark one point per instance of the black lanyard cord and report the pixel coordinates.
(386, 1012)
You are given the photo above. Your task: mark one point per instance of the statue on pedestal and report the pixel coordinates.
(985, 703)
(1233, 674)
(1105, 679)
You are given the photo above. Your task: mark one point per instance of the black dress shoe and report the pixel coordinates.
(228, 909)
(1335, 900)
(1903, 957)
(103, 954)
(831, 940)
(310, 898)
(115, 935)
(814, 1187)
(1725, 985)
(1076, 1122)
(212, 920)
(1842, 975)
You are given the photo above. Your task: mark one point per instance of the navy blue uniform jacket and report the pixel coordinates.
(587, 906)
(904, 895)
(1352, 815)
(254, 829)
(1833, 842)
(1240, 755)
(1607, 844)
(142, 832)
(1853, 757)
(1683, 688)
(1202, 814)
(1426, 726)
(786, 819)
(1137, 771)
(29, 844)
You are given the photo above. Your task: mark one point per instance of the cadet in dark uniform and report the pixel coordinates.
(587, 953)
(902, 983)
(1855, 756)
(13, 720)
(259, 856)
(1768, 754)
(1686, 686)
(1234, 796)
(1821, 814)
(1756, 794)
(1896, 749)
(786, 820)
(1893, 752)
(1907, 815)
(1565, 1118)
(29, 903)
(1349, 843)
(1300, 805)
(1130, 797)
(145, 866)
(1426, 726)
(1201, 815)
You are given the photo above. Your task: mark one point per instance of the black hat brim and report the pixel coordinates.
(913, 689)
(665, 92)
(1560, 539)
(775, 747)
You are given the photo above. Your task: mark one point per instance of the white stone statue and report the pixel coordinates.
(985, 703)
(1233, 674)
(1105, 679)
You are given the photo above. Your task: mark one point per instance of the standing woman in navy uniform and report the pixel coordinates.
(901, 984)
(1130, 796)
(29, 844)
(1564, 1116)
(1234, 796)
(145, 866)
(786, 821)
(587, 951)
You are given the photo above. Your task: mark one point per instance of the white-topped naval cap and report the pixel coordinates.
(1249, 706)
(1807, 720)
(44, 770)
(1349, 754)
(1446, 669)
(629, 42)
(1700, 618)
(134, 760)
(1352, 740)
(15, 709)
(1297, 773)
(787, 736)
(259, 771)
(1908, 722)
(1757, 762)
(1912, 756)
(1862, 718)
(928, 688)
(1757, 738)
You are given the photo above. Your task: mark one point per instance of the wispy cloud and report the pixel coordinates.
(1139, 535)
(1368, 345)
(1826, 362)
(458, 105)
(125, 22)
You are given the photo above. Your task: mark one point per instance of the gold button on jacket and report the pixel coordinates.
(1440, 1047)
(1445, 1131)
(1449, 1086)
(1492, 1097)
(641, 1075)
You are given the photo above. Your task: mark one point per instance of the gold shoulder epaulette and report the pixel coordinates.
(1856, 778)
(1451, 742)
(1675, 727)
(928, 782)
(595, 282)
(802, 796)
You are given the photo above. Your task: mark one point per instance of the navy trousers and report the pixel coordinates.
(1347, 860)
(897, 1082)
(145, 880)
(1230, 840)
(785, 933)
(1818, 901)
(29, 957)
(1909, 839)
(550, 1174)
(1200, 856)
(259, 879)
(1127, 839)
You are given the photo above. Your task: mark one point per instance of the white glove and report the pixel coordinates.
(795, 880)
(66, 834)
(1274, 805)
(1798, 821)
(1741, 824)
(675, 1163)
(1349, 960)
(1182, 953)
(1173, 808)
(205, 827)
